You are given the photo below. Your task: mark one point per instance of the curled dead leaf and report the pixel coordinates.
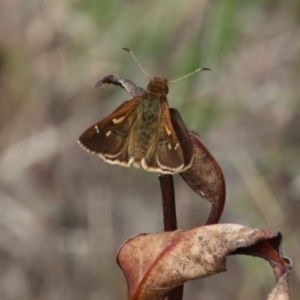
(206, 178)
(154, 264)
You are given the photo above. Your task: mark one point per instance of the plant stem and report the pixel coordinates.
(170, 220)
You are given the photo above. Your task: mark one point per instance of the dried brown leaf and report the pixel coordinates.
(154, 264)
(206, 178)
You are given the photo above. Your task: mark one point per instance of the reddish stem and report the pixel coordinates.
(170, 220)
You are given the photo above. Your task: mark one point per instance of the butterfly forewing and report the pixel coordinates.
(172, 150)
(109, 137)
(169, 149)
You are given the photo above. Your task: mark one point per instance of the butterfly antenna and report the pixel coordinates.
(190, 74)
(134, 57)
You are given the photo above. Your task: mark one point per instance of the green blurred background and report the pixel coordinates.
(64, 213)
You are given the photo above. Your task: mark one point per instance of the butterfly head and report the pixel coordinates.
(158, 85)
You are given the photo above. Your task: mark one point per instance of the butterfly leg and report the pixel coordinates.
(126, 84)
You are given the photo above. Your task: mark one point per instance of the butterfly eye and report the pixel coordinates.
(166, 89)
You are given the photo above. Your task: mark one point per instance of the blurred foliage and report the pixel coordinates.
(64, 213)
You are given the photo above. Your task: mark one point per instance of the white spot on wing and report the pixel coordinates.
(168, 130)
(116, 121)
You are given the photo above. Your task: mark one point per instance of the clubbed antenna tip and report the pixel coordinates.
(188, 75)
(134, 57)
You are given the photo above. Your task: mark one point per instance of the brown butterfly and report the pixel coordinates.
(143, 131)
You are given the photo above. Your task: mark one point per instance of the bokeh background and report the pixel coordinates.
(64, 213)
